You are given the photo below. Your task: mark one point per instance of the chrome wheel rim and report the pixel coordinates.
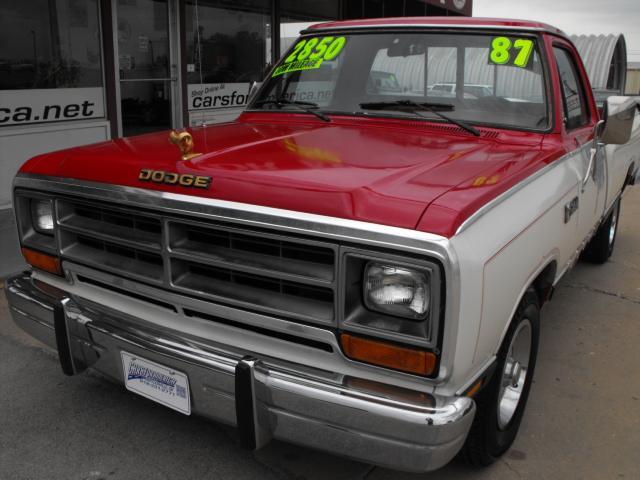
(613, 226)
(514, 374)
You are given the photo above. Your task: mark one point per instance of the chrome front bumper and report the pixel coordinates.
(356, 418)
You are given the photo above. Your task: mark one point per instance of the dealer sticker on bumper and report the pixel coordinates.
(156, 382)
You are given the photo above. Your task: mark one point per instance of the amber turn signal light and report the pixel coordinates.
(385, 354)
(45, 262)
(475, 389)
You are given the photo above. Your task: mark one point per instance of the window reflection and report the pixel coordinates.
(143, 59)
(143, 39)
(45, 44)
(228, 41)
(298, 15)
(146, 106)
(309, 10)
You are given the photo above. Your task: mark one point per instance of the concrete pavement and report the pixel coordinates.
(582, 420)
(10, 256)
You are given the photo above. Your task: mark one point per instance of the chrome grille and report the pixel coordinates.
(255, 269)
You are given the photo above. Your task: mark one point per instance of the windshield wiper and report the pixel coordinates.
(416, 108)
(308, 107)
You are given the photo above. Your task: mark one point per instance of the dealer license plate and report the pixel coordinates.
(156, 382)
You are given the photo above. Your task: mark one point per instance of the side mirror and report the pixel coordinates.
(253, 89)
(619, 113)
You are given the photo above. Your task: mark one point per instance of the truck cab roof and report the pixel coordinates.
(456, 22)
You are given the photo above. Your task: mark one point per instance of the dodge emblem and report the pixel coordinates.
(172, 178)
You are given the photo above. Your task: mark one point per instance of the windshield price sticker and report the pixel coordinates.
(516, 52)
(310, 54)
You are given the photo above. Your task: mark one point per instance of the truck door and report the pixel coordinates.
(579, 122)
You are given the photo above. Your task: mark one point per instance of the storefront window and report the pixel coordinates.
(144, 58)
(227, 41)
(50, 44)
(408, 8)
(296, 15)
(415, 8)
(228, 48)
(50, 62)
(309, 10)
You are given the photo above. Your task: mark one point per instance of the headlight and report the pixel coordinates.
(398, 291)
(42, 216)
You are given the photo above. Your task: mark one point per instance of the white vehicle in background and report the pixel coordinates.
(449, 89)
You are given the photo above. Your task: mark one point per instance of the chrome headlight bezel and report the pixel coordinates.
(29, 235)
(358, 317)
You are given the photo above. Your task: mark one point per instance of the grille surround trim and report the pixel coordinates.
(365, 235)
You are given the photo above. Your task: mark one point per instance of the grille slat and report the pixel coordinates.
(111, 225)
(248, 267)
(136, 264)
(97, 230)
(255, 292)
(264, 265)
(265, 254)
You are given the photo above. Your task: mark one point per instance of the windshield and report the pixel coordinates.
(483, 79)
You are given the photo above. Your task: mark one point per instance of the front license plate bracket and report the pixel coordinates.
(157, 382)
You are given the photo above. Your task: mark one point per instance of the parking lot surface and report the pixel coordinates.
(582, 420)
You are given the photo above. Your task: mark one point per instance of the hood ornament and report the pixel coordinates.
(184, 141)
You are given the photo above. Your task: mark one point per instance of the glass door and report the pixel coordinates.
(147, 66)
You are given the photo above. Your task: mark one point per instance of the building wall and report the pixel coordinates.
(52, 92)
(633, 82)
(17, 145)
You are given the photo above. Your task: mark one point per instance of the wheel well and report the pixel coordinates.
(631, 176)
(543, 283)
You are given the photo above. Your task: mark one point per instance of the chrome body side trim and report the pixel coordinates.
(478, 373)
(354, 232)
(343, 415)
(478, 214)
(576, 254)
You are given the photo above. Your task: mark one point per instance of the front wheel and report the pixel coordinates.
(501, 404)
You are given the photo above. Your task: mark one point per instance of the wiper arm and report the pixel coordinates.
(308, 107)
(416, 107)
(449, 107)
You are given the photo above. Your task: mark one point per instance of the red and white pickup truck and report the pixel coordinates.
(358, 263)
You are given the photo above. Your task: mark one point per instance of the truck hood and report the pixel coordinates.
(385, 172)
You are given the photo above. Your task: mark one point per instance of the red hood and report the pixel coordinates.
(377, 171)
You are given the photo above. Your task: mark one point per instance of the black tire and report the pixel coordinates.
(487, 441)
(600, 247)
